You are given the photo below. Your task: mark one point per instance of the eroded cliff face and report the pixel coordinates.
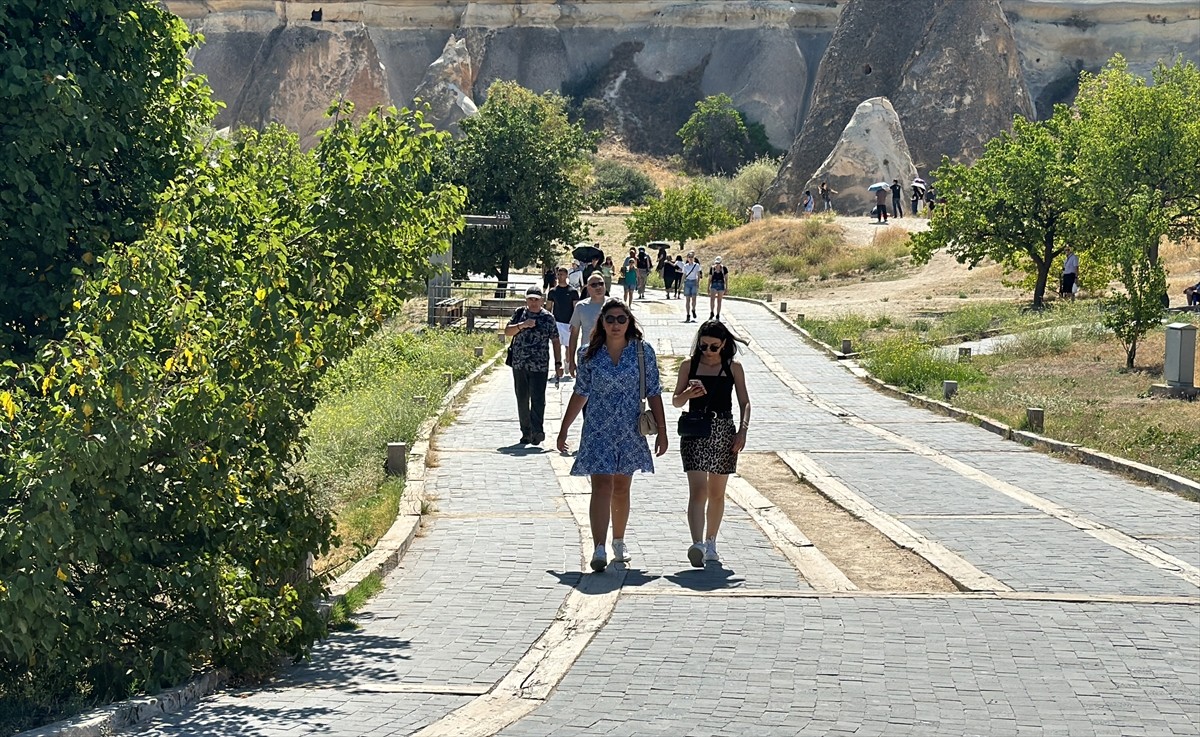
(268, 59)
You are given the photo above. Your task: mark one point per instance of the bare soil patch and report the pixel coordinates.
(865, 555)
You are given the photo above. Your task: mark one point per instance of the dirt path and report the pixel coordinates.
(940, 285)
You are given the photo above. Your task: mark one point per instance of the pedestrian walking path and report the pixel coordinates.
(1081, 614)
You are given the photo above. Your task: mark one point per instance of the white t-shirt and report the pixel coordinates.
(692, 271)
(584, 317)
(756, 213)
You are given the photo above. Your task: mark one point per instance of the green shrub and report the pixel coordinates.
(903, 362)
(746, 285)
(617, 184)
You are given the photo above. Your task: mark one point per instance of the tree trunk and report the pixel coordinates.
(1039, 289)
(1130, 354)
(502, 284)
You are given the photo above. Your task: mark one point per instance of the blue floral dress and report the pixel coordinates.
(611, 443)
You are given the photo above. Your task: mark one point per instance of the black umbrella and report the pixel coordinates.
(586, 253)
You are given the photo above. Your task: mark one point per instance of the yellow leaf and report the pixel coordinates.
(89, 258)
(74, 389)
(119, 395)
(10, 407)
(47, 382)
(188, 357)
(88, 409)
(170, 363)
(260, 294)
(61, 576)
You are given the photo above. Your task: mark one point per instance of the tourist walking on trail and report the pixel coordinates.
(897, 192)
(691, 286)
(644, 265)
(881, 213)
(583, 321)
(531, 328)
(612, 373)
(716, 288)
(606, 269)
(1070, 275)
(562, 298)
(710, 444)
(677, 267)
(826, 194)
(629, 275)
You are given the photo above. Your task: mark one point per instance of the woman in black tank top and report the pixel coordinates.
(707, 383)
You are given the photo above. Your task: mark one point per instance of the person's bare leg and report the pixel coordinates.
(598, 512)
(716, 503)
(720, 299)
(620, 504)
(697, 496)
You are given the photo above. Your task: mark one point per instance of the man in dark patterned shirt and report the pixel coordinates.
(531, 328)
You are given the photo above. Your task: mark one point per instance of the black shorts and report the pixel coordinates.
(1068, 284)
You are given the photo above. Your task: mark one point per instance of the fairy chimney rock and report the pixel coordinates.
(872, 148)
(447, 84)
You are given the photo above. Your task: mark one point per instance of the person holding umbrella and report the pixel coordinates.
(881, 190)
(918, 193)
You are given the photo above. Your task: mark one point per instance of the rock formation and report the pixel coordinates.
(871, 149)
(446, 86)
(950, 68)
(763, 53)
(290, 74)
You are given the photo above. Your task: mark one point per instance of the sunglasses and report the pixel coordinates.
(713, 347)
(596, 284)
(616, 319)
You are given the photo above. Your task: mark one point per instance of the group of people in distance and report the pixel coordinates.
(616, 376)
(684, 276)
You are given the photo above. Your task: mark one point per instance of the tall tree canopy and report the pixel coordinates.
(715, 139)
(1013, 204)
(679, 215)
(521, 155)
(76, 173)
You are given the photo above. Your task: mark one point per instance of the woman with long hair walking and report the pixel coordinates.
(616, 373)
(711, 442)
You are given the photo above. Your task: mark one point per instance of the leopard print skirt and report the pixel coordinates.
(713, 454)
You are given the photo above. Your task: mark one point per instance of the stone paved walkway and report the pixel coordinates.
(1087, 623)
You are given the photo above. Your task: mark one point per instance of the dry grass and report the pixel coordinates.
(799, 250)
(660, 171)
(1090, 399)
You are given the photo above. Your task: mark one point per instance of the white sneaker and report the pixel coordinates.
(599, 559)
(696, 555)
(710, 551)
(620, 552)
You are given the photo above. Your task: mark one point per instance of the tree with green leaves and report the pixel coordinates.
(1013, 205)
(102, 107)
(715, 138)
(520, 155)
(151, 521)
(1139, 156)
(1138, 139)
(680, 215)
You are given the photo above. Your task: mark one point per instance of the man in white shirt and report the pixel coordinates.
(1070, 274)
(583, 320)
(756, 213)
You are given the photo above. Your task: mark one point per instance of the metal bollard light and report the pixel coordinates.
(479, 351)
(448, 377)
(799, 317)
(949, 389)
(964, 354)
(1035, 418)
(847, 346)
(783, 306)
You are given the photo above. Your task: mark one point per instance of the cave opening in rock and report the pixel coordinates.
(866, 68)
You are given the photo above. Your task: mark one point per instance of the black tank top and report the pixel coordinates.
(719, 388)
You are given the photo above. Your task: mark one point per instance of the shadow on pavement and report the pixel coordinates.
(348, 656)
(519, 450)
(712, 577)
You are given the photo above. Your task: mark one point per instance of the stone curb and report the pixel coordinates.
(1082, 454)
(386, 555)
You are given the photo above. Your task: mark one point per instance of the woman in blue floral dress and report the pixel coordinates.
(611, 448)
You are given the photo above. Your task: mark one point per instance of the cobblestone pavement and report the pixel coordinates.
(1101, 635)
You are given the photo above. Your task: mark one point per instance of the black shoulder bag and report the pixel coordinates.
(695, 424)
